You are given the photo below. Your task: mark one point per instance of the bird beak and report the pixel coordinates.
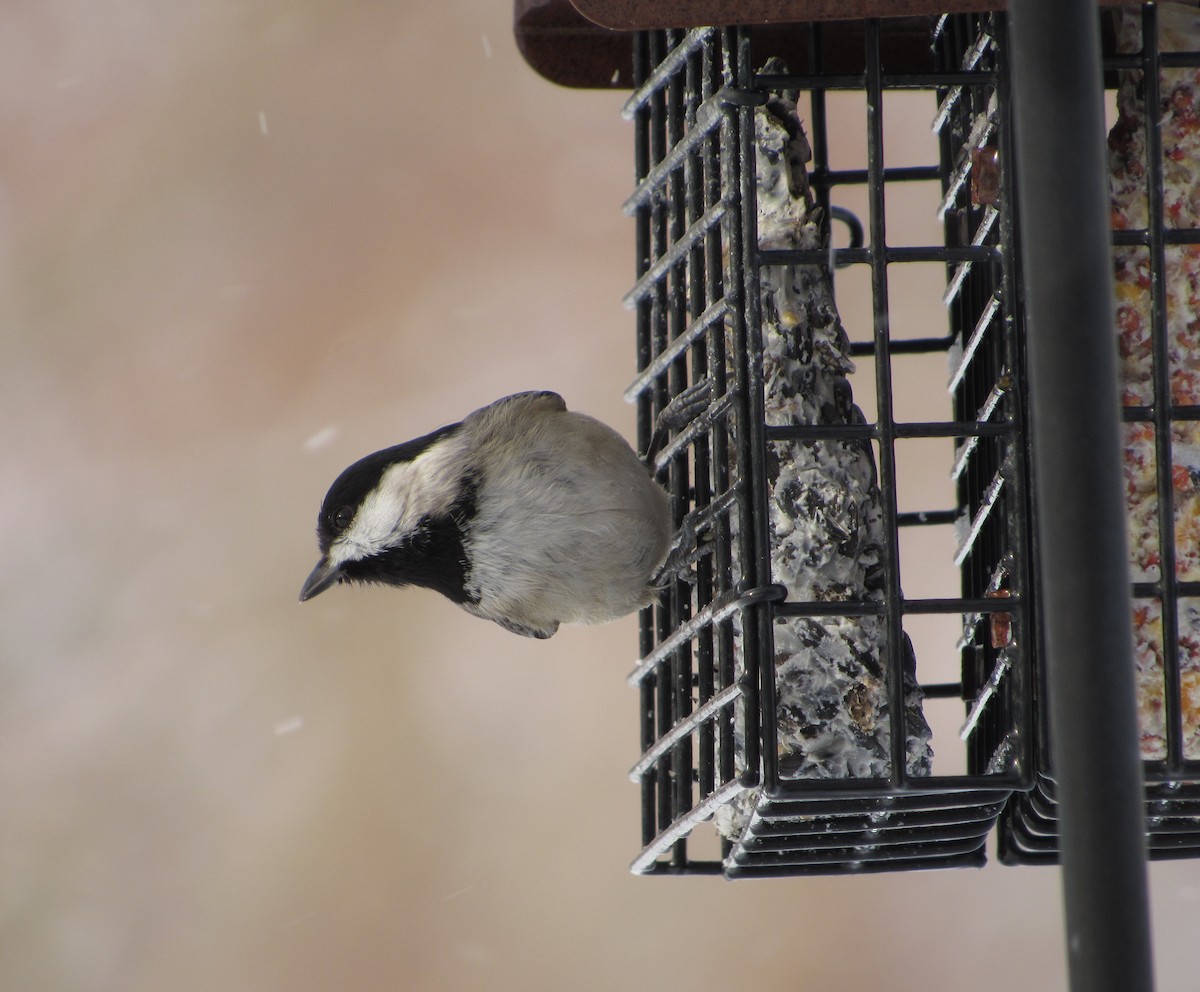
(319, 579)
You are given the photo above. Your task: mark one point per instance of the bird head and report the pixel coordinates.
(395, 517)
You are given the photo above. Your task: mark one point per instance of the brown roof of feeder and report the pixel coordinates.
(631, 15)
(586, 43)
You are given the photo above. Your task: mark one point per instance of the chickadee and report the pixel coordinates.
(524, 513)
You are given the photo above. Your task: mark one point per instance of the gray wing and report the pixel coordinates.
(541, 633)
(505, 418)
(539, 401)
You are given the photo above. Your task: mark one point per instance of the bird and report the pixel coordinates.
(524, 513)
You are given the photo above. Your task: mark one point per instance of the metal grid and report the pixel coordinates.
(707, 677)
(1029, 828)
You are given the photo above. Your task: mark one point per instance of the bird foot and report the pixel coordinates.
(677, 414)
(687, 548)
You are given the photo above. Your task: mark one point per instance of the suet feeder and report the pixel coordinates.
(780, 693)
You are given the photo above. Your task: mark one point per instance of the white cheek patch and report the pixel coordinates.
(406, 493)
(379, 519)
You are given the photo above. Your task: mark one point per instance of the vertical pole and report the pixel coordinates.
(1063, 201)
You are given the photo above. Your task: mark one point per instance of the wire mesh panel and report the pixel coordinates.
(687, 150)
(1155, 68)
(788, 683)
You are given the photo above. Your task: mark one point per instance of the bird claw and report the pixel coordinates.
(677, 414)
(688, 547)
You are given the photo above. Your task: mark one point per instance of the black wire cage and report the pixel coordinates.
(735, 726)
(1154, 248)
(712, 657)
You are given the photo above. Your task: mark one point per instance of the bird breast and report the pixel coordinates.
(569, 526)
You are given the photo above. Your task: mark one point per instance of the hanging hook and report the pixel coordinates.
(853, 225)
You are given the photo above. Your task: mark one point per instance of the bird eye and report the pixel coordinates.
(342, 516)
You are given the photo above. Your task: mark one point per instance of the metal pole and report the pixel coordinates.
(1064, 204)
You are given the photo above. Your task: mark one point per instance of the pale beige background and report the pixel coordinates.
(241, 245)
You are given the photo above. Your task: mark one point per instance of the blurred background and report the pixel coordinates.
(240, 246)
